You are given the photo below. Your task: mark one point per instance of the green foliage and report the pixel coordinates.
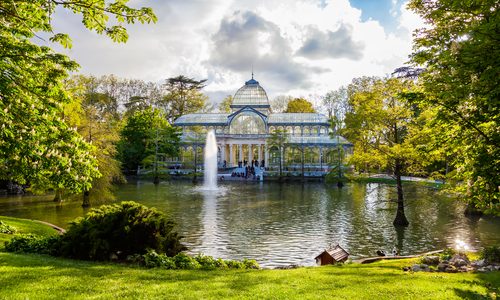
(30, 243)
(155, 260)
(491, 254)
(183, 261)
(183, 97)
(225, 105)
(6, 228)
(460, 53)
(139, 136)
(299, 105)
(447, 254)
(36, 144)
(121, 229)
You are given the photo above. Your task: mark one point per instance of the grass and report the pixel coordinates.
(24, 226)
(25, 276)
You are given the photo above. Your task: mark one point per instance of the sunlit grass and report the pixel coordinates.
(43, 277)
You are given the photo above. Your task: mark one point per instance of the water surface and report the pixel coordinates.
(282, 224)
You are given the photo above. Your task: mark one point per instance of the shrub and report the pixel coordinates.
(30, 243)
(447, 254)
(120, 230)
(155, 260)
(5, 228)
(234, 264)
(251, 264)
(184, 261)
(206, 262)
(491, 254)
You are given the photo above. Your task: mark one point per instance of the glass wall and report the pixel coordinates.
(247, 123)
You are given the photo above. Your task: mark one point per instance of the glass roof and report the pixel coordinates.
(251, 94)
(202, 119)
(297, 118)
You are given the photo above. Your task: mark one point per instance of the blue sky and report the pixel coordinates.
(379, 10)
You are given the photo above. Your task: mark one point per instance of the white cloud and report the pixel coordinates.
(221, 40)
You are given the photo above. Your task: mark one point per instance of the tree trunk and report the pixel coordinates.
(86, 199)
(58, 196)
(400, 219)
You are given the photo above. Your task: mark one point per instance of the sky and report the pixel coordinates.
(301, 48)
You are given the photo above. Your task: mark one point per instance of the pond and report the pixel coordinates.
(283, 224)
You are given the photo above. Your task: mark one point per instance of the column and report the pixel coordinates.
(266, 155)
(259, 148)
(231, 155)
(250, 154)
(240, 153)
(321, 158)
(222, 153)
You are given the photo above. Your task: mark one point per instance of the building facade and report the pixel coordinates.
(244, 134)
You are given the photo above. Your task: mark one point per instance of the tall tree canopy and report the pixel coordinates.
(142, 132)
(378, 126)
(299, 105)
(183, 97)
(460, 51)
(36, 145)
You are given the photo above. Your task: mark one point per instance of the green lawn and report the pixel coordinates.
(24, 226)
(44, 277)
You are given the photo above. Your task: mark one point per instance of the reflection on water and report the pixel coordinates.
(281, 224)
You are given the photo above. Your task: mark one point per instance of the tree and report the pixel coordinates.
(378, 126)
(143, 132)
(299, 105)
(278, 139)
(36, 145)
(459, 51)
(337, 104)
(280, 103)
(96, 119)
(225, 105)
(183, 96)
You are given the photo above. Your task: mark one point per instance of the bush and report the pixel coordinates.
(447, 254)
(251, 264)
(155, 260)
(491, 254)
(184, 261)
(118, 231)
(5, 228)
(30, 243)
(206, 262)
(234, 264)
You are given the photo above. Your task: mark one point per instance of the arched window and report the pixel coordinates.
(247, 123)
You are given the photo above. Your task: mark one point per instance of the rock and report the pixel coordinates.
(450, 269)
(113, 256)
(406, 269)
(478, 263)
(442, 266)
(460, 257)
(430, 260)
(420, 268)
(459, 262)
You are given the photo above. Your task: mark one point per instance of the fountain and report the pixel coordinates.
(210, 164)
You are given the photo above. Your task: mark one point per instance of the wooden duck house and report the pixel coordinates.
(331, 256)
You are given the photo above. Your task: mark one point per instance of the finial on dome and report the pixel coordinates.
(252, 71)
